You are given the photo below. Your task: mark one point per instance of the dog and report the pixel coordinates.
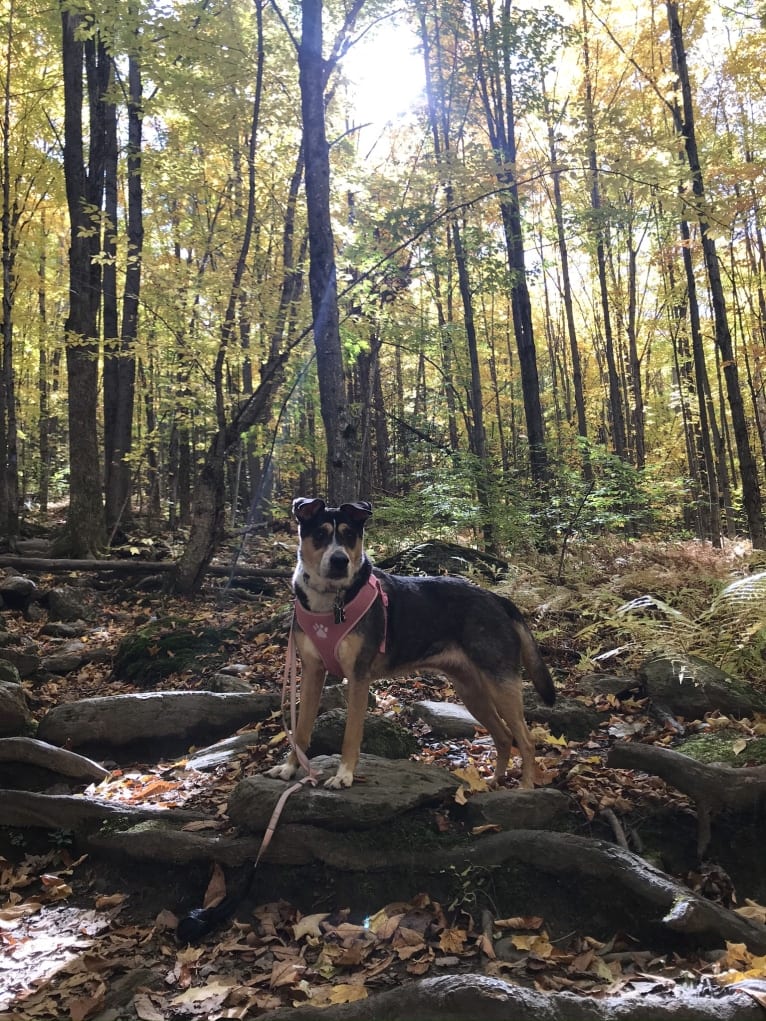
(358, 622)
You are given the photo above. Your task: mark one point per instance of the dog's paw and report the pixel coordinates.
(343, 778)
(284, 771)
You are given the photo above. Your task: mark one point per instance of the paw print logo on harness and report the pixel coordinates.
(320, 630)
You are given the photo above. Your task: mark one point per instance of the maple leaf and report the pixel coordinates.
(472, 777)
(452, 941)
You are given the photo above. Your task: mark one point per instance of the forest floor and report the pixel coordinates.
(93, 939)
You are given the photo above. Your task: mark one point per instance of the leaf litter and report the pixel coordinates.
(67, 948)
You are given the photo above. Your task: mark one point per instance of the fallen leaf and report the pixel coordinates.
(213, 994)
(452, 941)
(309, 926)
(145, 1009)
(488, 827)
(345, 992)
(85, 1006)
(471, 776)
(216, 888)
(110, 900)
(286, 973)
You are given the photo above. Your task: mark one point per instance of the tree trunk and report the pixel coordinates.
(751, 493)
(85, 528)
(119, 472)
(340, 418)
(438, 107)
(495, 76)
(616, 411)
(9, 461)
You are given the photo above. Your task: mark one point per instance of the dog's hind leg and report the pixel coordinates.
(475, 691)
(508, 699)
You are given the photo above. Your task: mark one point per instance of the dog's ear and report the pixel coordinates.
(358, 512)
(305, 508)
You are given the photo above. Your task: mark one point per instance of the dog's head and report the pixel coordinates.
(331, 538)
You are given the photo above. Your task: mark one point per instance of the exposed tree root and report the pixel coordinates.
(712, 788)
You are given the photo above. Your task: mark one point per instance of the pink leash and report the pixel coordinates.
(289, 680)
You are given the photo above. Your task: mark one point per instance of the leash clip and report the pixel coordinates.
(338, 609)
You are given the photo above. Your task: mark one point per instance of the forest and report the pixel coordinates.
(499, 269)
(544, 275)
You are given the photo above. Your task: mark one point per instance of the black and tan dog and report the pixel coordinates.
(356, 621)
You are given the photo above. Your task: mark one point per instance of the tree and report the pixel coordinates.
(751, 494)
(495, 47)
(85, 526)
(120, 364)
(340, 418)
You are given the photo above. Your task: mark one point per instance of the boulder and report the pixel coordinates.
(120, 720)
(383, 789)
(691, 687)
(383, 737)
(15, 717)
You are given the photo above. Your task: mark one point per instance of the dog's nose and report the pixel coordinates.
(338, 563)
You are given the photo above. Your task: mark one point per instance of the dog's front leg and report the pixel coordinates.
(358, 695)
(312, 682)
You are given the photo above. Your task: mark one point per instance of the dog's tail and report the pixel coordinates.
(534, 665)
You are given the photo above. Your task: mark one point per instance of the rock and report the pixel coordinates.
(65, 603)
(72, 655)
(27, 663)
(167, 647)
(17, 592)
(15, 717)
(609, 684)
(225, 682)
(541, 809)
(568, 716)
(381, 736)
(62, 662)
(383, 790)
(9, 673)
(691, 687)
(446, 719)
(61, 629)
(30, 752)
(119, 720)
(223, 751)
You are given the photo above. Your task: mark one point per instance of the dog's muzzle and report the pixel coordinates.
(338, 565)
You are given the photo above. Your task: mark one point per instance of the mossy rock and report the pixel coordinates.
(721, 746)
(382, 737)
(170, 647)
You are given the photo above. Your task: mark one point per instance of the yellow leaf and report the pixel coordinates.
(537, 945)
(561, 741)
(471, 776)
(345, 992)
(452, 941)
(739, 745)
(460, 797)
(278, 738)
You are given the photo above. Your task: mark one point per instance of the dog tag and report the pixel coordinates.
(340, 613)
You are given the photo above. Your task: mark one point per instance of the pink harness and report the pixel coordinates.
(326, 632)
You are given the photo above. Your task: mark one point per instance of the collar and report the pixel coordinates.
(327, 630)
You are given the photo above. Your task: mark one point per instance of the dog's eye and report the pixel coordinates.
(347, 536)
(320, 537)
